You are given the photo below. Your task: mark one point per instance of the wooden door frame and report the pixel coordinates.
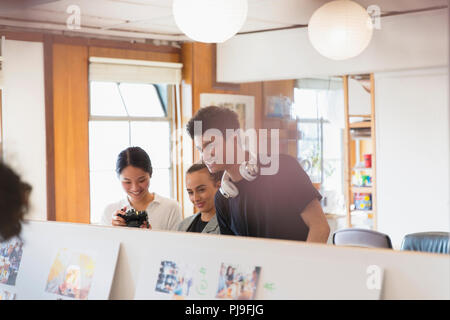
(49, 127)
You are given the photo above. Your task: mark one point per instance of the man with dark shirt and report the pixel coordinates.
(280, 205)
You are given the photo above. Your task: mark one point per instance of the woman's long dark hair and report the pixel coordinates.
(136, 157)
(14, 195)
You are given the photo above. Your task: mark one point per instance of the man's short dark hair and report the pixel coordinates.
(213, 117)
(14, 195)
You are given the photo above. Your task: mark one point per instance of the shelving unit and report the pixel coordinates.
(356, 189)
(354, 217)
(361, 124)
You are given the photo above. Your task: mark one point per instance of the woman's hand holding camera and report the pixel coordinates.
(118, 221)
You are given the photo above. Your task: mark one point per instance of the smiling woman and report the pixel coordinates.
(134, 169)
(201, 187)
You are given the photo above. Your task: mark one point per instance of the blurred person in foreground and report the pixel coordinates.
(14, 197)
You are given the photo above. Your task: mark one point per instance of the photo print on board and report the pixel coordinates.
(71, 274)
(175, 279)
(10, 257)
(237, 282)
(6, 295)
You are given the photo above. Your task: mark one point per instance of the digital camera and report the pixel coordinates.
(134, 218)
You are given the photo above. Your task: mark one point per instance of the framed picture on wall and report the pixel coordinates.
(244, 106)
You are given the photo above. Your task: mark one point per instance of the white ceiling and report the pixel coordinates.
(154, 19)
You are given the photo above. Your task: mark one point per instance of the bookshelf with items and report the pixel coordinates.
(360, 159)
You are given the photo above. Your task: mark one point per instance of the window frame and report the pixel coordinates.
(171, 92)
(319, 121)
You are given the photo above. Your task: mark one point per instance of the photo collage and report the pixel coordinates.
(71, 275)
(175, 279)
(11, 252)
(180, 281)
(237, 282)
(6, 295)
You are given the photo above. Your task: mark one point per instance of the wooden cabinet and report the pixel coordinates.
(360, 139)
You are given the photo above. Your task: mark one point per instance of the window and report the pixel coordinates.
(320, 147)
(126, 114)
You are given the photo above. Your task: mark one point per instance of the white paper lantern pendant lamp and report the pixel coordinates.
(211, 21)
(340, 29)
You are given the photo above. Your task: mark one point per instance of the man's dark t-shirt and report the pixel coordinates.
(269, 206)
(197, 225)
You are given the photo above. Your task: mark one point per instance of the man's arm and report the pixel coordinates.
(222, 215)
(316, 221)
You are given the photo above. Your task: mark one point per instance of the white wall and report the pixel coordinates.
(412, 133)
(407, 41)
(24, 118)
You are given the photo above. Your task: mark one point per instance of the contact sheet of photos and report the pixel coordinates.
(68, 271)
(71, 275)
(182, 281)
(179, 280)
(10, 257)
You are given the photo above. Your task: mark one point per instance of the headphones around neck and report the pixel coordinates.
(247, 170)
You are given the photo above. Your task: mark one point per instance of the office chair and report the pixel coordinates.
(361, 238)
(435, 242)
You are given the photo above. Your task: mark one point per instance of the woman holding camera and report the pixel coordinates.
(134, 170)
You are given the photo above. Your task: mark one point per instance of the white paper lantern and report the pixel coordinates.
(210, 20)
(340, 29)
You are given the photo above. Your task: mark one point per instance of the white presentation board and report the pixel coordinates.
(286, 269)
(57, 266)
